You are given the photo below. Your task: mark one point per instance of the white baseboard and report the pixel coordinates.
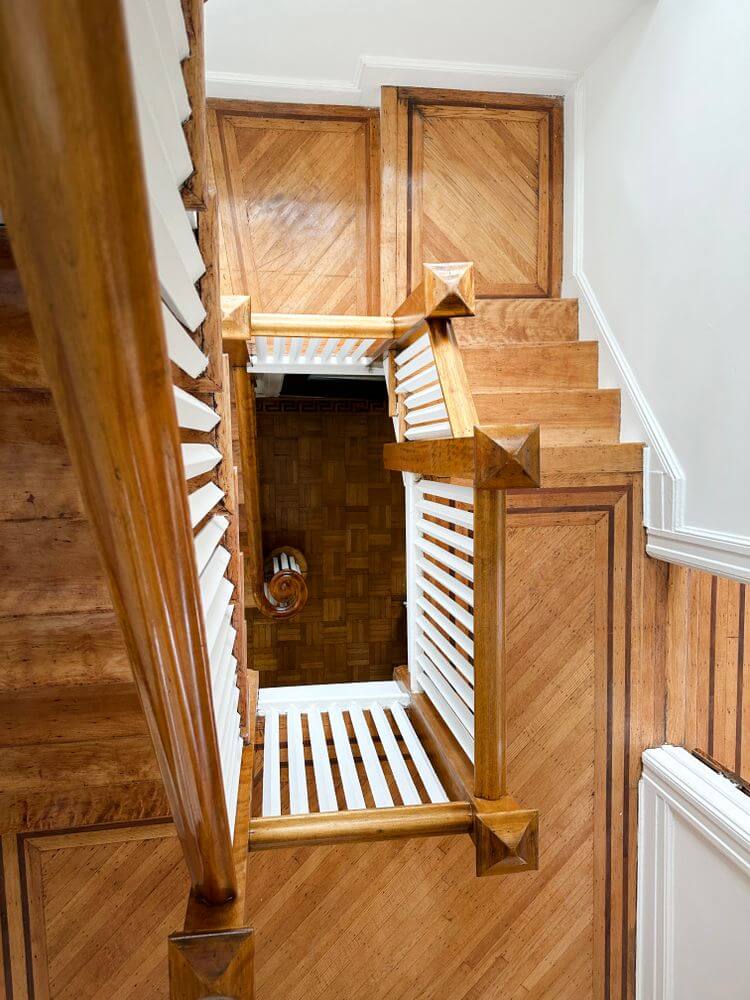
(669, 537)
(374, 72)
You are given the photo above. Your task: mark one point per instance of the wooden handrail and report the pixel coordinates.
(74, 199)
(287, 587)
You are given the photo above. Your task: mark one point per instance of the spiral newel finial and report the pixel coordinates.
(284, 586)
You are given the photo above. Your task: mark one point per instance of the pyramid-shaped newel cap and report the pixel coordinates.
(506, 457)
(507, 842)
(448, 289)
(212, 964)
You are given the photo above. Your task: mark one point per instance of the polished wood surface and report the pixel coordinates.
(360, 825)
(194, 74)
(100, 334)
(707, 658)
(298, 186)
(281, 595)
(436, 186)
(323, 489)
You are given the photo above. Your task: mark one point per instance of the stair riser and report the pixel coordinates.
(533, 366)
(519, 321)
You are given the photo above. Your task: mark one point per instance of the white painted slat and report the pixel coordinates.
(453, 655)
(454, 515)
(347, 346)
(321, 764)
(193, 413)
(202, 500)
(455, 586)
(271, 768)
(158, 77)
(221, 651)
(373, 769)
(345, 759)
(199, 458)
(417, 752)
(429, 395)
(177, 25)
(452, 631)
(308, 354)
(295, 347)
(181, 347)
(426, 377)
(436, 413)
(208, 538)
(420, 344)
(463, 738)
(448, 491)
(328, 350)
(446, 603)
(278, 349)
(298, 802)
(211, 576)
(322, 695)
(214, 615)
(454, 678)
(360, 350)
(261, 348)
(417, 363)
(458, 706)
(454, 562)
(430, 432)
(461, 542)
(404, 781)
(177, 287)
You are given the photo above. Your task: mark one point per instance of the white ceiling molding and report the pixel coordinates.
(374, 72)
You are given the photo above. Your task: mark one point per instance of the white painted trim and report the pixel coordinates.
(321, 695)
(341, 369)
(676, 785)
(374, 72)
(664, 483)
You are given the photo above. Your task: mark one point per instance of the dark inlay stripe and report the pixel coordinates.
(4, 932)
(740, 680)
(712, 665)
(626, 746)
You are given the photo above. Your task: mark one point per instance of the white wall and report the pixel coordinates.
(342, 51)
(659, 255)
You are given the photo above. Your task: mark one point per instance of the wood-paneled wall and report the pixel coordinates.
(472, 176)
(298, 189)
(708, 655)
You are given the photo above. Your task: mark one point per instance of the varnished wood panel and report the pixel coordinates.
(324, 490)
(298, 188)
(483, 182)
(407, 920)
(708, 660)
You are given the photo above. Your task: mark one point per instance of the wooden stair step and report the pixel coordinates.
(519, 321)
(572, 365)
(565, 416)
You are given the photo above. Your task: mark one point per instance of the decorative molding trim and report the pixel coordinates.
(675, 785)
(374, 72)
(664, 483)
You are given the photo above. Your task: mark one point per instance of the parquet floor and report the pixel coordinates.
(325, 491)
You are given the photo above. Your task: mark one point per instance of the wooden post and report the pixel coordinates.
(194, 74)
(212, 964)
(74, 199)
(490, 773)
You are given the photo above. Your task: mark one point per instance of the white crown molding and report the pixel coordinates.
(374, 72)
(668, 536)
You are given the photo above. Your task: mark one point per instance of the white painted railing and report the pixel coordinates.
(326, 778)
(158, 44)
(419, 393)
(440, 600)
(345, 357)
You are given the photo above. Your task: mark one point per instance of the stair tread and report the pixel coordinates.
(565, 365)
(520, 321)
(565, 416)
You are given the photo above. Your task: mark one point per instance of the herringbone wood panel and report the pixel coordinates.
(298, 200)
(324, 490)
(410, 920)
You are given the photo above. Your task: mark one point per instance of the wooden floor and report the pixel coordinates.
(325, 491)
